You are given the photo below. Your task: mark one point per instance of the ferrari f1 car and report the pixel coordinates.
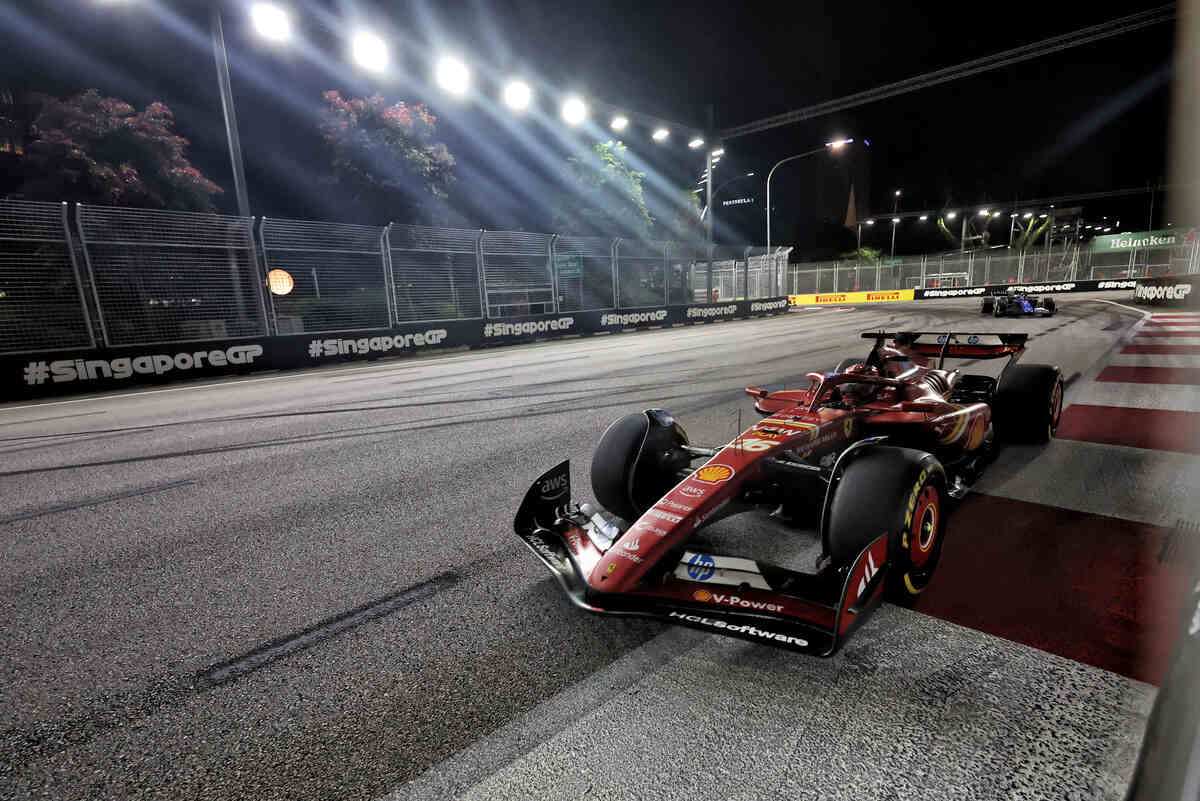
(1018, 304)
(875, 449)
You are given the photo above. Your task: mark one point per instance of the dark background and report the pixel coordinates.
(1088, 119)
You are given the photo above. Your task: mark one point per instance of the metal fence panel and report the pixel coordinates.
(583, 268)
(171, 276)
(41, 295)
(435, 273)
(517, 275)
(338, 275)
(641, 273)
(687, 272)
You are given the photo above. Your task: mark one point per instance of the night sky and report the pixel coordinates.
(1088, 119)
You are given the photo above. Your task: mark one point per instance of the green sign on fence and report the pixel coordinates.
(569, 265)
(1143, 240)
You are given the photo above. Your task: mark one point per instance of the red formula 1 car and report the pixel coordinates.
(874, 450)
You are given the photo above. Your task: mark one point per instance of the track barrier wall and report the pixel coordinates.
(59, 372)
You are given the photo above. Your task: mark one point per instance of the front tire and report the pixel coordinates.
(898, 490)
(988, 305)
(1028, 402)
(638, 459)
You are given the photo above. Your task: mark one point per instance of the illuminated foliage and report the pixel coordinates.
(607, 195)
(102, 150)
(385, 157)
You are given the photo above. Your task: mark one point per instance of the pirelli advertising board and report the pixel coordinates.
(838, 298)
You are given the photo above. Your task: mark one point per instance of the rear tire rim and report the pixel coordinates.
(924, 526)
(1056, 406)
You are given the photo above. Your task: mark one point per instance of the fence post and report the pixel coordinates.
(268, 308)
(83, 307)
(553, 270)
(709, 286)
(87, 260)
(481, 271)
(260, 277)
(389, 285)
(666, 273)
(616, 283)
(746, 273)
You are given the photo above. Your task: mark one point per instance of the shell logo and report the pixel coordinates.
(714, 473)
(702, 595)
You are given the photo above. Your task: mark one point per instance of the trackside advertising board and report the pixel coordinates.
(60, 372)
(837, 298)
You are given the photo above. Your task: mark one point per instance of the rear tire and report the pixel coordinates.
(1027, 404)
(988, 305)
(1050, 305)
(901, 491)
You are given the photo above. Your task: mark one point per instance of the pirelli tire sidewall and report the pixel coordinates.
(881, 490)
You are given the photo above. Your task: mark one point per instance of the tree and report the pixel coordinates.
(101, 150)
(682, 221)
(606, 196)
(385, 157)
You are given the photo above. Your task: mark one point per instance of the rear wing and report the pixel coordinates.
(950, 345)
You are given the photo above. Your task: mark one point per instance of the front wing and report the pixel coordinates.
(816, 622)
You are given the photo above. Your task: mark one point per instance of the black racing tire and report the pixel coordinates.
(627, 485)
(1050, 305)
(849, 361)
(997, 309)
(1028, 402)
(898, 490)
(988, 305)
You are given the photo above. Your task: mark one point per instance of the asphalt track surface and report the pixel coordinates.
(306, 585)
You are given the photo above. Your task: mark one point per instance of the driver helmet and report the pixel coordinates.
(856, 393)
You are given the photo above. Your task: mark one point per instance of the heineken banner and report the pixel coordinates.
(1143, 240)
(58, 372)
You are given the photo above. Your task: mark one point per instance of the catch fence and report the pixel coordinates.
(100, 276)
(975, 268)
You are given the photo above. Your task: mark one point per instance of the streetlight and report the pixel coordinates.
(836, 144)
(619, 122)
(983, 212)
(924, 217)
(895, 222)
(574, 110)
(452, 75)
(369, 51)
(271, 22)
(950, 215)
(660, 134)
(716, 154)
(517, 95)
(696, 143)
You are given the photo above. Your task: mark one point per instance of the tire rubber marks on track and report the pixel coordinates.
(116, 496)
(18, 745)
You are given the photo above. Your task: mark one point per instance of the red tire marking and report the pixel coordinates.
(1083, 586)
(1152, 429)
(1144, 333)
(1151, 375)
